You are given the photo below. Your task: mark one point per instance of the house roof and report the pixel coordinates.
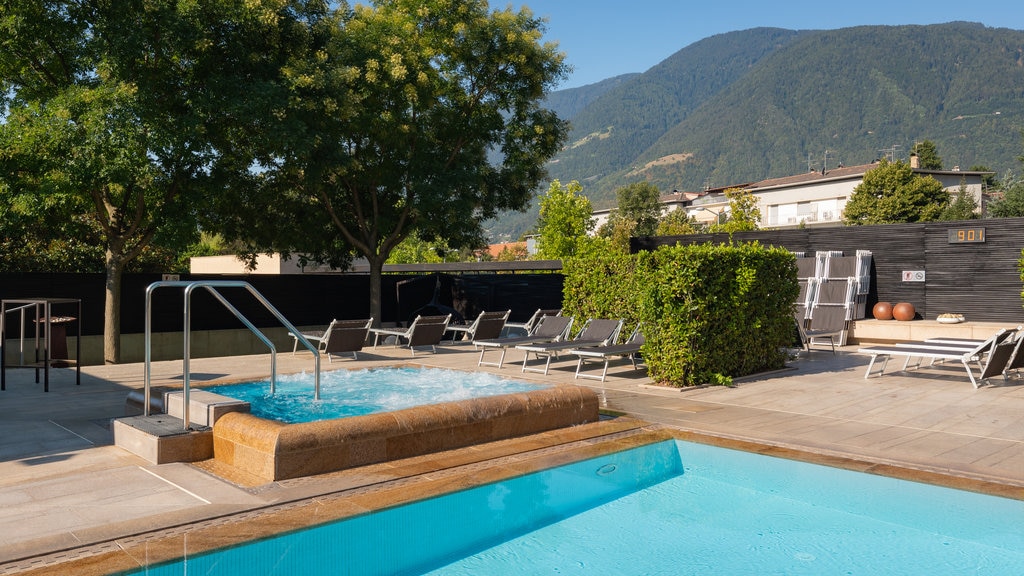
(838, 173)
(495, 249)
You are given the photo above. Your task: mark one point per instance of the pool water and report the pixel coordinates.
(357, 392)
(668, 508)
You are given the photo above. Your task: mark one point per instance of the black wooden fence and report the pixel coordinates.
(303, 299)
(979, 278)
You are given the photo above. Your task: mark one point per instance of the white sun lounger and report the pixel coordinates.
(922, 350)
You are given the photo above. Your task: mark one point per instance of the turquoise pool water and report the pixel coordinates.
(357, 392)
(669, 508)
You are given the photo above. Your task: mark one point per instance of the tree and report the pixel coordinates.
(1010, 201)
(637, 212)
(892, 193)
(415, 117)
(927, 155)
(743, 212)
(514, 253)
(962, 206)
(988, 180)
(114, 115)
(675, 223)
(639, 203)
(566, 219)
(1010, 204)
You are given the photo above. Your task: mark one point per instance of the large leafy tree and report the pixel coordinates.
(566, 220)
(418, 117)
(116, 115)
(892, 193)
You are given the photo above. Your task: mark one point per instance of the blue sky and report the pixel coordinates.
(605, 38)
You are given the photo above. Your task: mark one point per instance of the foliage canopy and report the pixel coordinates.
(404, 117)
(114, 116)
(892, 193)
(565, 221)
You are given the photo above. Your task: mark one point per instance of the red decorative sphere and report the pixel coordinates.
(882, 311)
(903, 311)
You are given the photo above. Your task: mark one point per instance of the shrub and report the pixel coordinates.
(710, 312)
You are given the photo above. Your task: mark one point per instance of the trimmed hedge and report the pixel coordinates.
(710, 312)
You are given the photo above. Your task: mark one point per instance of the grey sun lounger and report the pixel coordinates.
(629, 349)
(596, 332)
(486, 326)
(528, 326)
(341, 336)
(548, 329)
(998, 348)
(424, 331)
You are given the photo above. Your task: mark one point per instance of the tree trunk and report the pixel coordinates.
(112, 310)
(376, 271)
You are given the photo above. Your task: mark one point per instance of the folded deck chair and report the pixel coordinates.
(487, 325)
(424, 331)
(824, 322)
(346, 336)
(921, 351)
(548, 329)
(630, 348)
(596, 332)
(527, 327)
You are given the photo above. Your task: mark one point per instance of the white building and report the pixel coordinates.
(814, 198)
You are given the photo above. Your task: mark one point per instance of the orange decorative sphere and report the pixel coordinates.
(903, 311)
(882, 311)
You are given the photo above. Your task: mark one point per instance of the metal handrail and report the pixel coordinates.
(211, 286)
(21, 330)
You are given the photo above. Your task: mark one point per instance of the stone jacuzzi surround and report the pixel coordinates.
(273, 450)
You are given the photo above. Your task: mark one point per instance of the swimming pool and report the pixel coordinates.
(346, 393)
(671, 507)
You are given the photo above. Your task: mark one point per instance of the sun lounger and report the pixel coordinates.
(959, 341)
(548, 329)
(487, 325)
(630, 348)
(526, 328)
(596, 332)
(424, 331)
(347, 336)
(966, 356)
(1016, 361)
(826, 321)
(340, 336)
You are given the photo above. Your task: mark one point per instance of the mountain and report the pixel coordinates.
(767, 102)
(567, 103)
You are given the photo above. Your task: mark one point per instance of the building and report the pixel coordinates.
(815, 198)
(675, 201)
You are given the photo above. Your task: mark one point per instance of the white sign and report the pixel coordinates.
(913, 275)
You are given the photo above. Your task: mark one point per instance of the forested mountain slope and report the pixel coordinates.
(766, 102)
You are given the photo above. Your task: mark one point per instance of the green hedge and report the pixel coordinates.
(710, 312)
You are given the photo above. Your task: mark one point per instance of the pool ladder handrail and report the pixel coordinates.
(211, 286)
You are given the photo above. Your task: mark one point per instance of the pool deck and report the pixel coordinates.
(68, 494)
